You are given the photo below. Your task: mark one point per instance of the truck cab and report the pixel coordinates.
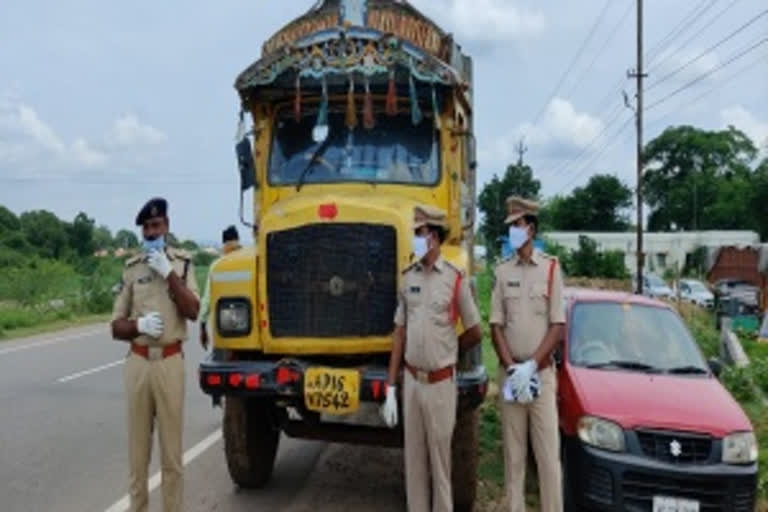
(355, 113)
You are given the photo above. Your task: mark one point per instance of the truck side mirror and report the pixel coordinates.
(245, 164)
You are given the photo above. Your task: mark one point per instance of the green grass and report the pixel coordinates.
(50, 325)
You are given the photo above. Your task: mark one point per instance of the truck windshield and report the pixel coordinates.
(631, 336)
(394, 151)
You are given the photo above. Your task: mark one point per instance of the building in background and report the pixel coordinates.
(662, 250)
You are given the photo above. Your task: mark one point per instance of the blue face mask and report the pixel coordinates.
(158, 244)
(517, 237)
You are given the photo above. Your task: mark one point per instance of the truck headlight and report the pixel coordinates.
(740, 448)
(601, 433)
(233, 317)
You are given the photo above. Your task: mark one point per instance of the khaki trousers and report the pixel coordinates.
(155, 389)
(430, 415)
(541, 419)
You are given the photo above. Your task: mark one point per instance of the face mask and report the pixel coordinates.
(158, 244)
(420, 247)
(517, 237)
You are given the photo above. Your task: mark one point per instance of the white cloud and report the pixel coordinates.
(562, 131)
(488, 21)
(745, 121)
(129, 131)
(31, 146)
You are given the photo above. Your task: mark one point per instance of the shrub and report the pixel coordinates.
(738, 382)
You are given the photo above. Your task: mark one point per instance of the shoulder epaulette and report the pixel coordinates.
(409, 267)
(455, 268)
(134, 260)
(180, 253)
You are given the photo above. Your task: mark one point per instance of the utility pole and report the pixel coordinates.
(639, 75)
(521, 151)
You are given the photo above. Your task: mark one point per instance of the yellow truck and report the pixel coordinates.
(355, 113)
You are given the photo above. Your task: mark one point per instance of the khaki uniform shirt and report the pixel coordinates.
(145, 291)
(520, 302)
(424, 308)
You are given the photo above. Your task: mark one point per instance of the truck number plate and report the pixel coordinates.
(332, 391)
(663, 504)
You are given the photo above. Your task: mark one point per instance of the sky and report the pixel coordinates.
(106, 104)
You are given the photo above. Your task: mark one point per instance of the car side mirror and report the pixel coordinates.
(716, 366)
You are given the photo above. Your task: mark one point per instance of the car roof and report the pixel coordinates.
(593, 295)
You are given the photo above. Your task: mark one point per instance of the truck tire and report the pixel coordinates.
(250, 442)
(464, 454)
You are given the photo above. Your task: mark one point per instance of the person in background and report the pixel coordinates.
(231, 242)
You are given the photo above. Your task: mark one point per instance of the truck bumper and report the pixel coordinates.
(282, 381)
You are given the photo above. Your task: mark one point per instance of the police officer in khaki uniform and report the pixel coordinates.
(158, 296)
(434, 294)
(527, 318)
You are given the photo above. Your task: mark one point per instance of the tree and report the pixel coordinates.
(696, 178)
(589, 261)
(518, 180)
(45, 233)
(601, 205)
(102, 238)
(189, 245)
(126, 239)
(81, 235)
(8, 221)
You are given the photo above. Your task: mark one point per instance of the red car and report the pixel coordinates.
(645, 423)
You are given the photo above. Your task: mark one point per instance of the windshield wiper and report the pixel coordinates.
(688, 369)
(628, 365)
(319, 152)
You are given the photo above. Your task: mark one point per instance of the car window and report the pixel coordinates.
(698, 287)
(601, 332)
(656, 282)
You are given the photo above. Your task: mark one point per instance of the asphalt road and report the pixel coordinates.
(63, 444)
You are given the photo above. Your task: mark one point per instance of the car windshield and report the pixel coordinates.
(697, 287)
(631, 336)
(394, 151)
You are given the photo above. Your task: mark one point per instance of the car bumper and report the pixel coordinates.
(282, 381)
(606, 481)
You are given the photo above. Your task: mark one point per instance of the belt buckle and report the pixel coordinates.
(155, 353)
(422, 377)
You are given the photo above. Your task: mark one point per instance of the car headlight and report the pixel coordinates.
(740, 448)
(233, 317)
(601, 433)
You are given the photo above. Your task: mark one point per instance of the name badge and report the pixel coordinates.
(415, 289)
(513, 284)
(144, 279)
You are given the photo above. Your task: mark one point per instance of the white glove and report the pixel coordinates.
(158, 262)
(521, 375)
(150, 324)
(389, 409)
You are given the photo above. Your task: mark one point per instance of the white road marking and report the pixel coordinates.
(26, 346)
(88, 372)
(124, 503)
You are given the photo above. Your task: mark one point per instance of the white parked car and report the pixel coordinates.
(696, 292)
(655, 287)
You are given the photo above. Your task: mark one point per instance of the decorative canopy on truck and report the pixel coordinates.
(379, 41)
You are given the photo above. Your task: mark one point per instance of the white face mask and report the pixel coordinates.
(420, 247)
(517, 237)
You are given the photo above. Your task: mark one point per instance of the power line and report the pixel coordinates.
(588, 164)
(685, 43)
(708, 50)
(94, 182)
(737, 74)
(708, 73)
(576, 58)
(687, 21)
(578, 158)
(605, 44)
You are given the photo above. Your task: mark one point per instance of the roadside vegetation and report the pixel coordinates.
(55, 273)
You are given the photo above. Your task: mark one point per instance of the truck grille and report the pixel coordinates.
(675, 448)
(332, 280)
